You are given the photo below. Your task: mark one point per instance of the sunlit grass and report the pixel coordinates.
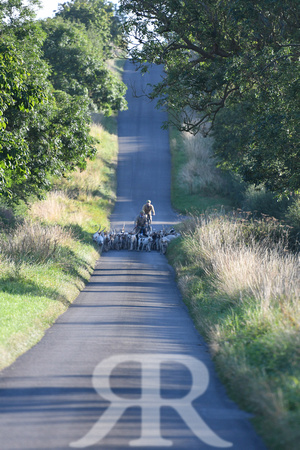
(242, 285)
(47, 258)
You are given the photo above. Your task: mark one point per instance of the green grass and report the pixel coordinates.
(243, 295)
(31, 300)
(241, 285)
(51, 257)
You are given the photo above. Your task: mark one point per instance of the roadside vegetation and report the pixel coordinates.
(47, 254)
(238, 270)
(231, 67)
(59, 81)
(197, 184)
(238, 259)
(53, 74)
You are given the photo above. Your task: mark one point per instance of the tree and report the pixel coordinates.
(219, 54)
(98, 18)
(259, 137)
(44, 127)
(22, 91)
(212, 51)
(13, 13)
(58, 140)
(41, 132)
(78, 69)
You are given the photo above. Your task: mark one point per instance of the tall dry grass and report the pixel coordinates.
(243, 286)
(58, 207)
(34, 242)
(53, 208)
(242, 264)
(199, 173)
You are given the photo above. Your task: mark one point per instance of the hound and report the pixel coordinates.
(145, 243)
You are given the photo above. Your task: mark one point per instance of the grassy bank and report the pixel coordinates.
(48, 256)
(241, 284)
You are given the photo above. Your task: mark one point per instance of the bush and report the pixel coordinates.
(293, 213)
(7, 217)
(259, 200)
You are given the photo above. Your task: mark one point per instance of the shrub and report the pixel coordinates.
(7, 217)
(261, 201)
(293, 213)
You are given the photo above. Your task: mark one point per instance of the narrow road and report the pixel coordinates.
(124, 366)
(144, 158)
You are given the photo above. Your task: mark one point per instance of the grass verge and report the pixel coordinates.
(47, 258)
(241, 285)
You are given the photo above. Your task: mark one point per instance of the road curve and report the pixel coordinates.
(124, 366)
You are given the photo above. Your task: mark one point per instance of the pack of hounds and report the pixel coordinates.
(124, 240)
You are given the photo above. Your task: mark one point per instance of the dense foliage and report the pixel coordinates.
(51, 75)
(78, 67)
(79, 41)
(98, 18)
(24, 91)
(237, 57)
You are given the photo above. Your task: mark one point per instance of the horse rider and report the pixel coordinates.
(148, 210)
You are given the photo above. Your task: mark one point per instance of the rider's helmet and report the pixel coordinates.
(141, 213)
(148, 201)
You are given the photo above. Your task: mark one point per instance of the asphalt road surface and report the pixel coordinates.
(124, 366)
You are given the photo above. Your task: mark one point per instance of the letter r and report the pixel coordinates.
(150, 401)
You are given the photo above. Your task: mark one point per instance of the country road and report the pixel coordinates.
(124, 366)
